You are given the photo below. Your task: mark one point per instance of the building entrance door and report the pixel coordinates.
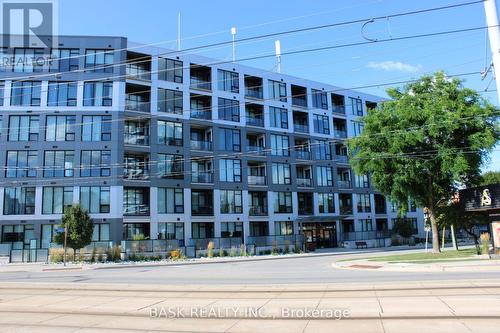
(320, 235)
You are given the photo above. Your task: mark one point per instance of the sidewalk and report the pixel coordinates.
(39, 267)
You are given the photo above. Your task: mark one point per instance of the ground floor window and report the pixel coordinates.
(48, 233)
(365, 225)
(283, 228)
(18, 235)
(135, 229)
(347, 226)
(259, 229)
(171, 231)
(101, 232)
(231, 229)
(200, 230)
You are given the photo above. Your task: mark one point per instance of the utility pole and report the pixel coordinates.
(490, 9)
(233, 34)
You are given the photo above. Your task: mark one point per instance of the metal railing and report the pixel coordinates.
(339, 109)
(303, 155)
(342, 158)
(197, 83)
(256, 150)
(256, 180)
(301, 128)
(258, 211)
(201, 114)
(202, 177)
(132, 105)
(340, 134)
(132, 139)
(138, 209)
(255, 121)
(304, 182)
(256, 93)
(344, 184)
(134, 72)
(201, 145)
(275, 240)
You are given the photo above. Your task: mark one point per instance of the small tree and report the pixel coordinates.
(79, 228)
(490, 177)
(403, 228)
(432, 136)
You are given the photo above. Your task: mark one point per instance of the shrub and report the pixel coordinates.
(403, 228)
(234, 252)
(221, 252)
(117, 253)
(485, 243)
(210, 249)
(100, 255)
(243, 250)
(92, 256)
(297, 249)
(287, 246)
(175, 254)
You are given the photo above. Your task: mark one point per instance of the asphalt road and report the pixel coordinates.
(282, 271)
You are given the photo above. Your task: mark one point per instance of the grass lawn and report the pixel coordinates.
(423, 257)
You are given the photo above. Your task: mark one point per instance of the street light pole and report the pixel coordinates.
(65, 243)
(490, 9)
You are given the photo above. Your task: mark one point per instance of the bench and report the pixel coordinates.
(361, 245)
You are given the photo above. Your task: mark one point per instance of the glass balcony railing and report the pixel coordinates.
(256, 180)
(136, 209)
(258, 211)
(134, 139)
(342, 158)
(339, 109)
(305, 210)
(133, 105)
(255, 121)
(298, 101)
(304, 182)
(202, 211)
(197, 83)
(301, 128)
(344, 184)
(253, 93)
(345, 210)
(201, 145)
(256, 150)
(340, 134)
(201, 114)
(135, 173)
(303, 155)
(137, 73)
(202, 177)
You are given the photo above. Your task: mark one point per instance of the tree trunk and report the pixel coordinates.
(435, 231)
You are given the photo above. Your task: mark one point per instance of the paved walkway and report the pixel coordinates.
(443, 306)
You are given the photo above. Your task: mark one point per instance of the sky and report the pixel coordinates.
(206, 22)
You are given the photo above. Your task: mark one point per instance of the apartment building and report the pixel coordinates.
(180, 147)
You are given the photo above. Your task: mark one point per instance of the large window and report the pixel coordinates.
(283, 202)
(231, 229)
(357, 127)
(229, 109)
(364, 205)
(281, 173)
(62, 94)
(230, 170)
(64, 60)
(96, 128)
(171, 166)
(171, 231)
(170, 200)
(170, 70)
(19, 201)
(170, 101)
(326, 203)
(95, 163)
(277, 90)
(56, 199)
(202, 202)
(283, 228)
(60, 128)
(58, 163)
(21, 163)
(362, 181)
(229, 139)
(356, 106)
(228, 81)
(365, 225)
(319, 99)
(23, 128)
(27, 60)
(101, 232)
(95, 199)
(136, 201)
(321, 124)
(280, 145)
(169, 133)
(26, 93)
(202, 230)
(324, 176)
(98, 93)
(231, 202)
(278, 117)
(100, 61)
(322, 150)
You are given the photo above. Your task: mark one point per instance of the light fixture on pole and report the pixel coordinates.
(277, 48)
(233, 33)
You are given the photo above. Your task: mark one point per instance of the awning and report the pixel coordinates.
(320, 219)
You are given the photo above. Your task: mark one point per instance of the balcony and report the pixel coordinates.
(256, 150)
(253, 87)
(201, 145)
(306, 210)
(303, 155)
(340, 134)
(201, 77)
(254, 121)
(138, 66)
(345, 210)
(256, 180)
(299, 128)
(342, 159)
(338, 103)
(304, 182)
(299, 96)
(206, 177)
(136, 209)
(137, 98)
(344, 184)
(201, 106)
(134, 139)
(258, 211)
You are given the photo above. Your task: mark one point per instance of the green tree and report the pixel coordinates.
(80, 228)
(430, 137)
(490, 177)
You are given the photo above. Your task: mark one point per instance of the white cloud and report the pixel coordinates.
(394, 66)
